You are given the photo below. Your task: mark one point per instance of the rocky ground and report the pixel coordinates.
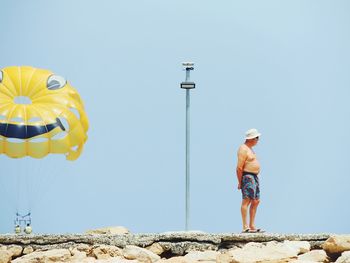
(112, 245)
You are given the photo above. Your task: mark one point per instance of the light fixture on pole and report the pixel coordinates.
(188, 85)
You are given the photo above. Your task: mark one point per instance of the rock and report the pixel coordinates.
(50, 256)
(223, 258)
(301, 261)
(77, 254)
(299, 246)
(272, 251)
(317, 255)
(337, 244)
(344, 258)
(105, 252)
(5, 256)
(140, 254)
(113, 230)
(15, 250)
(156, 248)
(175, 260)
(28, 250)
(83, 248)
(84, 260)
(181, 248)
(115, 260)
(199, 256)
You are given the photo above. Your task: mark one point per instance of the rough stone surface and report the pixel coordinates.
(28, 250)
(175, 260)
(200, 256)
(5, 256)
(344, 258)
(223, 258)
(317, 255)
(337, 244)
(272, 251)
(140, 254)
(55, 255)
(105, 252)
(222, 248)
(112, 230)
(299, 246)
(156, 248)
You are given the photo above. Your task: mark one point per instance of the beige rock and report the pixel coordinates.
(140, 254)
(5, 256)
(156, 248)
(112, 230)
(49, 256)
(106, 251)
(15, 250)
(28, 250)
(299, 246)
(337, 244)
(317, 255)
(83, 260)
(83, 248)
(272, 251)
(115, 260)
(77, 254)
(223, 258)
(175, 260)
(301, 261)
(344, 258)
(200, 256)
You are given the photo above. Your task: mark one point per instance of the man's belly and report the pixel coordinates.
(253, 167)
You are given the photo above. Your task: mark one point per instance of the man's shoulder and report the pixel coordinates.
(243, 148)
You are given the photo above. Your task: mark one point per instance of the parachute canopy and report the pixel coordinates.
(40, 113)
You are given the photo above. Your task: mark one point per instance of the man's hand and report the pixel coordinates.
(239, 186)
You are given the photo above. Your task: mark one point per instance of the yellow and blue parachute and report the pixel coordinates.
(40, 114)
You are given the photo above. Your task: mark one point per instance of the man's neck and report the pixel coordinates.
(249, 145)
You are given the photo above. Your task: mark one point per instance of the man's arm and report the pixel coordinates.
(242, 156)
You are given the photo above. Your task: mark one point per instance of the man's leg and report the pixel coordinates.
(244, 209)
(252, 213)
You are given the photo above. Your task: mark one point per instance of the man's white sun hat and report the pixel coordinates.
(252, 133)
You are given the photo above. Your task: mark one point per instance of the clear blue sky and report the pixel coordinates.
(279, 66)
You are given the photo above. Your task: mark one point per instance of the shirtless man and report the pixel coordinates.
(247, 170)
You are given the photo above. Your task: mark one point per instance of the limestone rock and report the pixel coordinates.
(272, 251)
(301, 261)
(317, 255)
(175, 260)
(344, 258)
(156, 248)
(106, 251)
(28, 250)
(200, 256)
(5, 256)
(115, 260)
(140, 254)
(223, 258)
(337, 244)
(50, 256)
(82, 248)
(77, 254)
(83, 260)
(299, 246)
(112, 230)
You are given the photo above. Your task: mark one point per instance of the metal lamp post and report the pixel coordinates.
(187, 85)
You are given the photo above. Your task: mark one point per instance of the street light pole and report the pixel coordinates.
(188, 85)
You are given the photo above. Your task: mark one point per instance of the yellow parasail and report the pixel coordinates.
(40, 113)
